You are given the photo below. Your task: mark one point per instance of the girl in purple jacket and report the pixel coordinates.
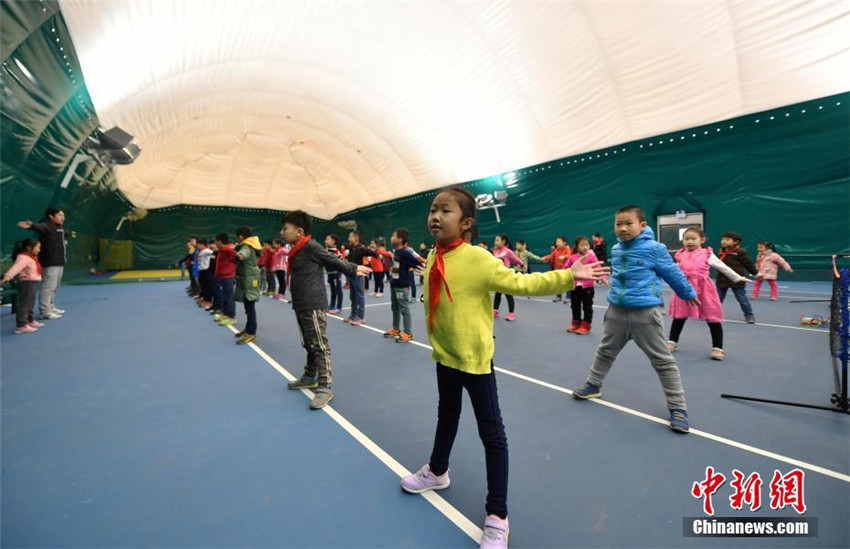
(502, 250)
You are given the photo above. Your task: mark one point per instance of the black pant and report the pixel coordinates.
(485, 403)
(251, 313)
(379, 283)
(26, 302)
(412, 287)
(205, 281)
(335, 282)
(498, 301)
(716, 329)
(281, 282)
(582, 298)
(270, 278)
(312, 324)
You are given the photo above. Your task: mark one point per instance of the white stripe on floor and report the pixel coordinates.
(729, 442)
(444, 507)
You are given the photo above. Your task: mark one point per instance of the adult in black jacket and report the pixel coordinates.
(51, 233)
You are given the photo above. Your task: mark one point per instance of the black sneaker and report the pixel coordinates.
(750, 319)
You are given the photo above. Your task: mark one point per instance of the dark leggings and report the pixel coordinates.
(379, 282)
(281, 282)
(251, 313)
(498, 301)
(581, 298)
(715, 328)
(485, 403)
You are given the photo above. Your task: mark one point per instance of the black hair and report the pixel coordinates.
(520, 241)
(768, 245)
(562, 238)
(202, 241)
(466, 202)
(244, 231)
(403, 234)
(300, 219)
(356, 233)
(579, 239)
(334, 237)
(631, 208)
(480, 242)
(697, 230)
(269, 242)
(52, 211)
(506, 242)
(733, 236)
(277, 241)
(223, 238)
(22, 246)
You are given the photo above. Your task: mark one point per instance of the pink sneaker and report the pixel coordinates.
(495, 313)
(510, 317)
(25, 329)
(36, 324)
(424, 480)
(496, 532)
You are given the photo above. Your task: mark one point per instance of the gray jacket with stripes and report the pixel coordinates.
(307, 281)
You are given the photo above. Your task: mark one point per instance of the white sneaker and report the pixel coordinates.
(50, 316)
(58, 311)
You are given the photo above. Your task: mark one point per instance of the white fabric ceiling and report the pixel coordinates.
(330, 106)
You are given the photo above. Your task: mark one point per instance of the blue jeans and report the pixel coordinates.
(741, 296)
(335, 282)
(358, 297)
(228, 301)
(485, 403)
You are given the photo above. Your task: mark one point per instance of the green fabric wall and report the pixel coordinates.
(786, 180)
(783, 179)
(44, 119)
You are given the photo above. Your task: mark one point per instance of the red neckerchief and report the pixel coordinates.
(37, 262)
(436, 278)
(293, 252)
(724, 253)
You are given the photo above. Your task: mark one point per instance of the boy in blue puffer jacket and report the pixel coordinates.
(638, 264)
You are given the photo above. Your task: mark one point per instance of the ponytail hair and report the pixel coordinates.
(22, 246)
(506, 242)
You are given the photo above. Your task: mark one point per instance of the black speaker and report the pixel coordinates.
(119, 145)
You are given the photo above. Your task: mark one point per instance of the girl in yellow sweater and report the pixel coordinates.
(458, 282)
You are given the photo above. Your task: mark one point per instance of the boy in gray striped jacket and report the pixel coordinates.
(307, 259)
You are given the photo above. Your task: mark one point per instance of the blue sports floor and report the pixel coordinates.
(135, 421)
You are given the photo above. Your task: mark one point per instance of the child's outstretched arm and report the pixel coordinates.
(782, 263)
(507, 281)
(333, 263)
(722, 268)
(670, 272)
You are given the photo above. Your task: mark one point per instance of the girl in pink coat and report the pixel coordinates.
(695, 261)
(581, 297)
(28, 270)
(502, 250)
(768, 264)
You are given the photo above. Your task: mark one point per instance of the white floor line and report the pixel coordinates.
(444, 507)
(697, 432)
(370, 305)
(820, 331)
